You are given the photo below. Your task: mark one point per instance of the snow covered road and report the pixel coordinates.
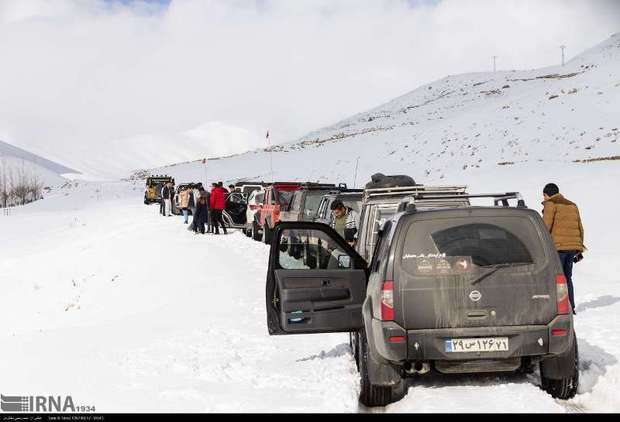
(104, 299)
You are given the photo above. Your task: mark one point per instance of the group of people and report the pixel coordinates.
(206, 207)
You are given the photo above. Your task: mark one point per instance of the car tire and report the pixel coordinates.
(563, 388)
(267, 234)
(353, 342)
(372, 395)
(256, 235)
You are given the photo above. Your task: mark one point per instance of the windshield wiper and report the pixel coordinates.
(495, 268)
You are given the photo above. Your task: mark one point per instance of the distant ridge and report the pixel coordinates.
(15, 152)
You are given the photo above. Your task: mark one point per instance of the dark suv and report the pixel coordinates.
(455, 289)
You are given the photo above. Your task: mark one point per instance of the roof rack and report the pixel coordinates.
(441, 191)
(497, 198)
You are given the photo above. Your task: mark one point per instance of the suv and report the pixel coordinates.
(246, 188)
(255, 202)
(306, 200)
(455, 289)
(277, 199)
(351, 198)
(154, 184)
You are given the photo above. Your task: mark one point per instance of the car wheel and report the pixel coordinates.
(256, 235)
(353, 342)
(562, 388)
(267, 234)
(372, 395)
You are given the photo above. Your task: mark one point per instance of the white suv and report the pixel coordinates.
(255, 201)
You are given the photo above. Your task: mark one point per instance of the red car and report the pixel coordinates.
(277, 198)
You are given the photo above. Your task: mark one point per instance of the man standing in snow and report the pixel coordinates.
(563, 221)
(217, 204)
(167, 193)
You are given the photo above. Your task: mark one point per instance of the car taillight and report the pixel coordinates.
(562, 294)
(387, 301)
(559, 332)
(253, 207)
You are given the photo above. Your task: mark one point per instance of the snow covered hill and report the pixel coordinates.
(449, 128)
(14, 160)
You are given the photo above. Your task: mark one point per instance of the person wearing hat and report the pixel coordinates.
(563, 221)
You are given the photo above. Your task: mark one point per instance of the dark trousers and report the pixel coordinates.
(217, 221)
(566, 258)
(199, 226)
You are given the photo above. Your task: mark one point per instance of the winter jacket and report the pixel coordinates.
(167, 193)
(348, 230)
(562, 218)
(184, 199)
(217, 200)
(202, 214)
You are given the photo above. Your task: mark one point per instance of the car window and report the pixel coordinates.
(296, 201)
(377, 214)
(236, 198)
(284, 197)
(258, 197)
(313, 199)
(311, 249)
(463, 244)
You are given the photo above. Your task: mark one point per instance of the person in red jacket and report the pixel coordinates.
(217, 204)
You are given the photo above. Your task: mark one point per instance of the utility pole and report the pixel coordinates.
(562, 47)
(494, 64)
(355, 177)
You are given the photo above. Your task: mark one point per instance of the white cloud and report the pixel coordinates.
(79, 73)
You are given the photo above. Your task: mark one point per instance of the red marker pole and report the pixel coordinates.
(204, 162)
(270, 156)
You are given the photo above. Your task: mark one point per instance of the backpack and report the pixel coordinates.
(380, 180)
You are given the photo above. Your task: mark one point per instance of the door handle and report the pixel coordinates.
(326, 283)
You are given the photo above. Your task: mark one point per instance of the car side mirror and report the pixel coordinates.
(344, 261)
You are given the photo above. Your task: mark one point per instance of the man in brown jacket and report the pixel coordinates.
(562, 218)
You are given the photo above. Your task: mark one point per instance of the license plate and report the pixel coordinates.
(467, 345)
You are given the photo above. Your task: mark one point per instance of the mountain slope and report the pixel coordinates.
(559, 114)
(14, 160)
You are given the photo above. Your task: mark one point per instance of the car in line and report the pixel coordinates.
(351, 198)
(154, 185)
(433, 284)
(255, 202)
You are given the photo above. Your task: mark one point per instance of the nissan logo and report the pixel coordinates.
(475, 296)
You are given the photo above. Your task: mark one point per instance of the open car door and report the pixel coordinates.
(318, 289)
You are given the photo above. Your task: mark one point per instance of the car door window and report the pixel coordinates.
(311, 249)
(296, 201)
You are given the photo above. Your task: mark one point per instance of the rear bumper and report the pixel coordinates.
(429, 345)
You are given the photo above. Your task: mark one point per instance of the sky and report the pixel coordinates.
(216, 74)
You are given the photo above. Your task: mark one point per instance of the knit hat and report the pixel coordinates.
(551, 189)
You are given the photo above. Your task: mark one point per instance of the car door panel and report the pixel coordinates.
(315, 295)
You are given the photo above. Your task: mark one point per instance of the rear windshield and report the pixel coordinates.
(284, 197)
(313, 200)
(247, 190)
(462, 244)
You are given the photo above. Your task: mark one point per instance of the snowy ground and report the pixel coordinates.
(126, 310)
